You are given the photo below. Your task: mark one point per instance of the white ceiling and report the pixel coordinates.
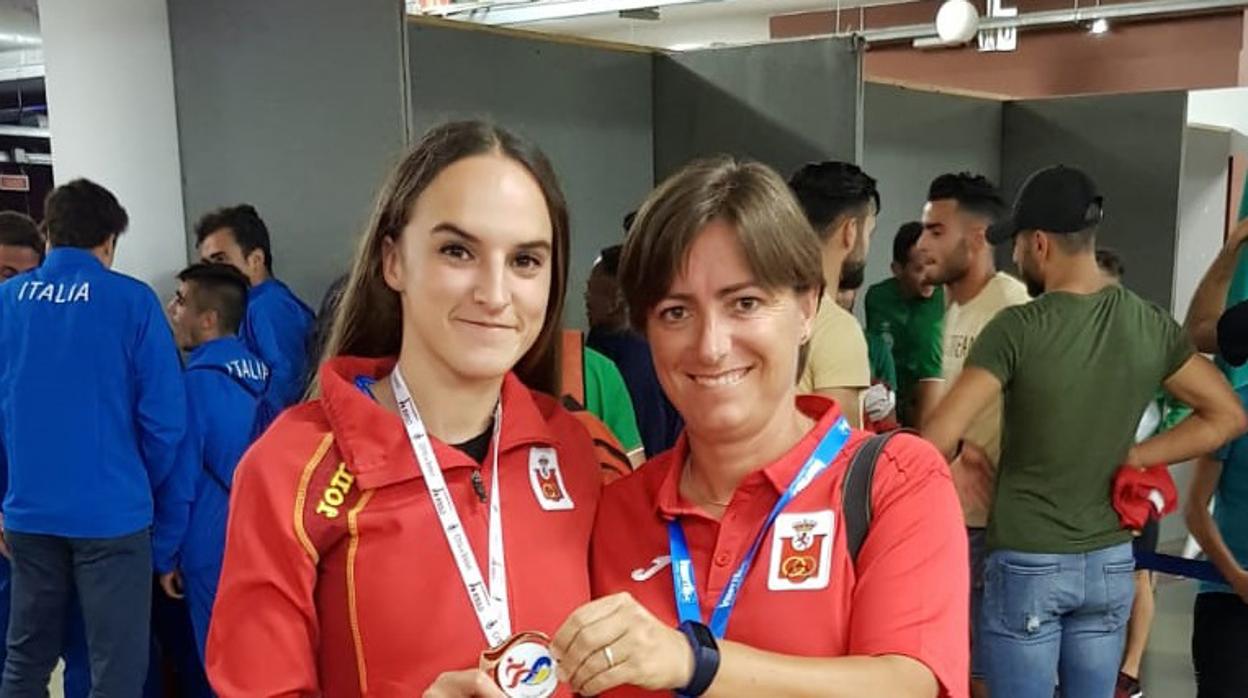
(698, 24)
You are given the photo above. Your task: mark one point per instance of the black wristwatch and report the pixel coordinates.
(705, 658)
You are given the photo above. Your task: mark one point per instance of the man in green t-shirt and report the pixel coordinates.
(1076, 367)
(906, 312)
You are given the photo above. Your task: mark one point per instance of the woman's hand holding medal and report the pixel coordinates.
(615, 641)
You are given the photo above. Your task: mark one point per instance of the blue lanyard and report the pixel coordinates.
(686, 589)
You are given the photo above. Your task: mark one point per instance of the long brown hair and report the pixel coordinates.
(369, 320)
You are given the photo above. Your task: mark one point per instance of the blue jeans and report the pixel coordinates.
(113, 581)
(1050, 617)
(77, 674)
(978, 540)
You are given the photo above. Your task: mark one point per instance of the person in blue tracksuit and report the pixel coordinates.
(225, 384)
(21, 249)
(277, 325)
(92, 414)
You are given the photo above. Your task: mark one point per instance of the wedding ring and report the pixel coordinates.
(610, 656)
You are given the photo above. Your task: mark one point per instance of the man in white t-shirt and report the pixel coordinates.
(959, 209)
(841, 203)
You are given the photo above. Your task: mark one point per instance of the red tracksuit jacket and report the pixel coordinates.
(338, 580)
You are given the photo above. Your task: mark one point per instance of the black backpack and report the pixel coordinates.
(856, 491)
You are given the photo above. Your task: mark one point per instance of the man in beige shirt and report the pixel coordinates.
(959, 209)
(841, 203)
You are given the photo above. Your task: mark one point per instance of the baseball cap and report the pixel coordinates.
(1057, 199)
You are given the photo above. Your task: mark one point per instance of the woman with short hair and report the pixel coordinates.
(723, 563)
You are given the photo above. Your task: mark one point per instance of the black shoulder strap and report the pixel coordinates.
(856, 491)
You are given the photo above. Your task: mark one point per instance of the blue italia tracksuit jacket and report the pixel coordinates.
(276, 329)
(92, 403)
(225, 383)
(92, 406)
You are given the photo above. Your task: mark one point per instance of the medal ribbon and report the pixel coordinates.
(686, 589)
(489, 603)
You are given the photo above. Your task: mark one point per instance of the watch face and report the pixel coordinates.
(703, 635)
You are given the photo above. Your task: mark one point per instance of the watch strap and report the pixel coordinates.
(705, 658)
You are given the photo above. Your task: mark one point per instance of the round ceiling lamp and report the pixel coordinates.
(957, 21)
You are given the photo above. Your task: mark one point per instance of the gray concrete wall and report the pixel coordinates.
(784, 104)
(586, 106)
(296, 107)
(910, 138)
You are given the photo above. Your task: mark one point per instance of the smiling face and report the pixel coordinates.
(472, 267)
(725, 348)
(913, 276)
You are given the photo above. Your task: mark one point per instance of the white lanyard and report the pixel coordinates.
(490, 603)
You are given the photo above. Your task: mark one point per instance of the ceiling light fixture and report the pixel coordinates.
(957, 21)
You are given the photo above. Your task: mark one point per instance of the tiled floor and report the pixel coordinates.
(1167, 669)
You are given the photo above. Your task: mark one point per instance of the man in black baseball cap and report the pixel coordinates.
(1076, 366)
(1064, 206)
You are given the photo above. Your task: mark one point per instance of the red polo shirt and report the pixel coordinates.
(338, 580)
(906, 595)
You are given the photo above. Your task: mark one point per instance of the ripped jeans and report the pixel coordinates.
(1050, 618)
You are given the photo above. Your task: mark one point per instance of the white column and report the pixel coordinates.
(112, 118)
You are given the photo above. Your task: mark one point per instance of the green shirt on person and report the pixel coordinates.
(1077, 371)
(607, 398)
(911, 327)
(883, 370)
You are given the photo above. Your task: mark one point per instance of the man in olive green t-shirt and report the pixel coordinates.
(1076, 367)
(906, 312)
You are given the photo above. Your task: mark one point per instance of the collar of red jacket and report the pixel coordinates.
(776, 476)
(374, 443)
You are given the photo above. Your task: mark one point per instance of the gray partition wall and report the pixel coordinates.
(587, 106)
(784, 103)
(909, 138)
(1132, 145)
(294, 106)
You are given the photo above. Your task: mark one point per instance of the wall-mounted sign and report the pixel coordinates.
(1004, 39)
(14, 182)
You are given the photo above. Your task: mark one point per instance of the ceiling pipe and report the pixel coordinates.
(1033, 20)
(503, 12)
